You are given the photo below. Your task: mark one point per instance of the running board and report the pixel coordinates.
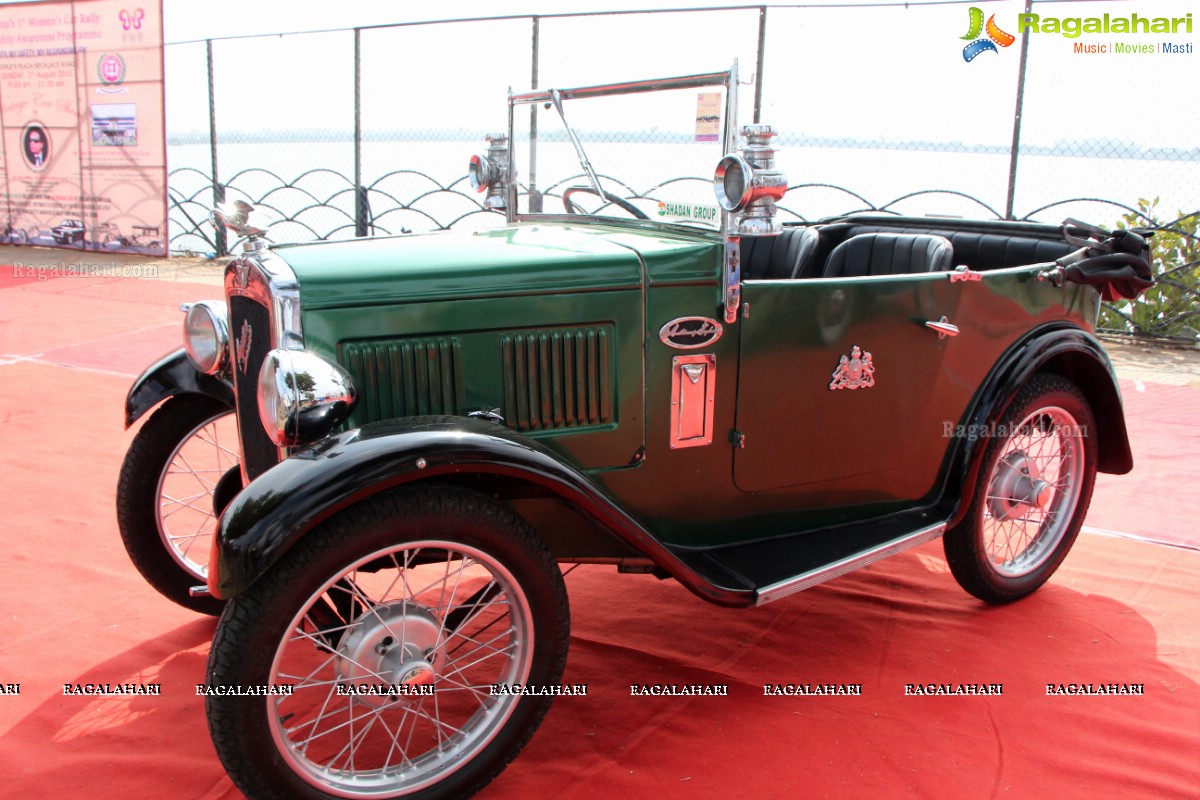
(838, 568)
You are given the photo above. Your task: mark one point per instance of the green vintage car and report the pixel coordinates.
(376, 454)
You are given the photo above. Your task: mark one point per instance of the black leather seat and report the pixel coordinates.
(791, 254)
(889, 254)
(984, 251)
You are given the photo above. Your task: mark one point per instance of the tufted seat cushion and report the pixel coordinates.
(789, 255)
(889, 254)
(984, 251)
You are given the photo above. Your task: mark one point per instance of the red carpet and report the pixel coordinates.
(72, 610)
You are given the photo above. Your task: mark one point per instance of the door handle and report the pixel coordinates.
(942, 327)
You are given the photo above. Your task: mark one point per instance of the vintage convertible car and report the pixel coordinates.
(375, 454)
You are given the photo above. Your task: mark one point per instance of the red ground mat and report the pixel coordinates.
(73, 610)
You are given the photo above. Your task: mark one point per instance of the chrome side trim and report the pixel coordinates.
(838, 568)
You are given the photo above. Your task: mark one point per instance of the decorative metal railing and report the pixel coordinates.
(1169, 312)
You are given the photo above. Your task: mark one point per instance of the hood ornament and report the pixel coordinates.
(236, 217)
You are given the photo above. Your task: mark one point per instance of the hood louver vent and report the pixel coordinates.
(559, 378)
(405, 377)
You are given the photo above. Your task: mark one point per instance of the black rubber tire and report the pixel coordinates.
(965, 544)
(252, 627)
(138, 500)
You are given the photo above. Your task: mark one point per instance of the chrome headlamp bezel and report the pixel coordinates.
(206, 335)
(735, 197)
(295, 410)
(747, 184)
(488, 172)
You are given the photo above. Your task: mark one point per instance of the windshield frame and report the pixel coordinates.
(554, 98)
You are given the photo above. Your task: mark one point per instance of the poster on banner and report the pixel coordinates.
(83, 162)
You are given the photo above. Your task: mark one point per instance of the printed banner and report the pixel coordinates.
(708, 117)
(81, 111)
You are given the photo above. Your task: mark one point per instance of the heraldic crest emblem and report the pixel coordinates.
(855, 371)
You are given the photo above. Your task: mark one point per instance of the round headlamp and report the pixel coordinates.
(206, 335)
(734, 182)
(488, 172)
(747, 184)
(302, 397)
(481, 172)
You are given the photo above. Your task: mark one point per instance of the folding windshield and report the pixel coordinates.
(645, 149)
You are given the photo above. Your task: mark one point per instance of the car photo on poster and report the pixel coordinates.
(114, 124)
(69, 231)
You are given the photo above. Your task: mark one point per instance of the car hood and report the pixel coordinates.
(526, 258)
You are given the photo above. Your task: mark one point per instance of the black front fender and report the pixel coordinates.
(171, 375)
(287, 501)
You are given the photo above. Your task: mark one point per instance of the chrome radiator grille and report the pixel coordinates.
(250, 329)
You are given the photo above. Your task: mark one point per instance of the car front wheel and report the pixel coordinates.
(395, 638)
(1034, 488)
(166, 509)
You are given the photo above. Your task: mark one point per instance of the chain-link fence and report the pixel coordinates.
(367, 131)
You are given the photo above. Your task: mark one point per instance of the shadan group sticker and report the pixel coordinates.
(984, 44)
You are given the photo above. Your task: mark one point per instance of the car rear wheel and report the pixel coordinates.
(166, 510)
(383, 633)
(1034, 490)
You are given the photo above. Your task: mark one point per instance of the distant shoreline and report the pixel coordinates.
(1088, 148)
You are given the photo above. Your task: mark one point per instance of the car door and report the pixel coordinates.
(842, 395)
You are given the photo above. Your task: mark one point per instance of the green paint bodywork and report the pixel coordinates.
(538, 319)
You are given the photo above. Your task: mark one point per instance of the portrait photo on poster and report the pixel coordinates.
(35, 145)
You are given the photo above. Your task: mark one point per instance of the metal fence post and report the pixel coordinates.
(1016, 137)
(222, 244)
(361, 206)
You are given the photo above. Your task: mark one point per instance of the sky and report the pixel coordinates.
(861, 60)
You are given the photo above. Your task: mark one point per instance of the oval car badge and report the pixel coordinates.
(689, 333)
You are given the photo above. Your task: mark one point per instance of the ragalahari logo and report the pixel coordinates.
(980, 44)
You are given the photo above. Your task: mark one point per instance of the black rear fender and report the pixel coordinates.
(1067, 351)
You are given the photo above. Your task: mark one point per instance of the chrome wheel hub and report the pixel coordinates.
(1033, 492)
(388, 647)
(1017, 486)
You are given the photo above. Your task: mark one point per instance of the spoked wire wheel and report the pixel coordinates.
(1035, 485)
(385, 668)
(184, 513)
(1033, 492)
(437, 617)
(167, 494)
